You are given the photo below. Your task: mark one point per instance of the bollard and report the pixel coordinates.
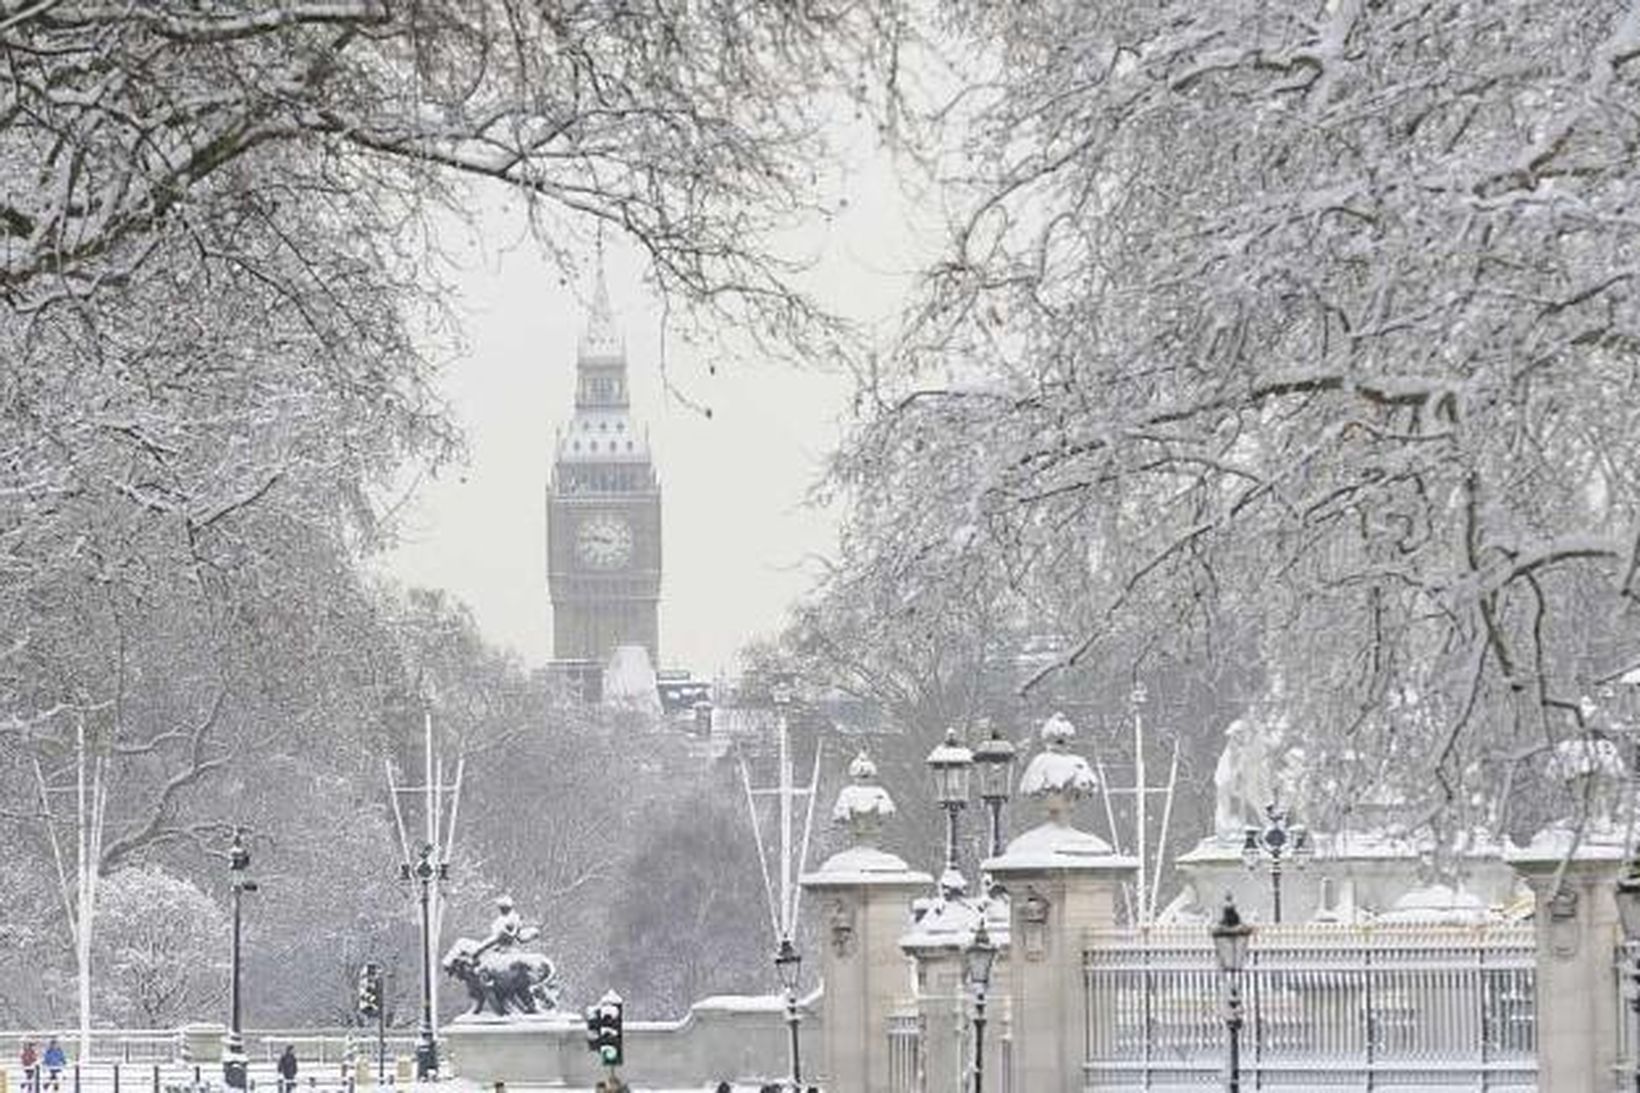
(156, 1078)
(500, 1087)
(116, 1078)
(76, 1078)
(196, 1075)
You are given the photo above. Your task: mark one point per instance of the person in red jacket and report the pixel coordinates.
(31, 1066)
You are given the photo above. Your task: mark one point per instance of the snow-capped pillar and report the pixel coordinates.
(942, 1014)
(1578, 932)
(1061, 883)
(864, 895)
(945, 1008)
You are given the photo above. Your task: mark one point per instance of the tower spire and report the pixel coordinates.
(600, 338)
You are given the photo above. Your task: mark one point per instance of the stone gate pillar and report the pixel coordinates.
(1061, 883)
(945, 999)
(864, 898)
(1578, 933)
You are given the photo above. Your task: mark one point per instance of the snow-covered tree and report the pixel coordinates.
(1311, 323)
(690, 916)
(688, 126)
(160, 949)
(220, 315)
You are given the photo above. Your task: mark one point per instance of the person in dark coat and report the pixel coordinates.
(287, 1069)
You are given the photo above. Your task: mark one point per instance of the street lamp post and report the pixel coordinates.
(425, 871)
(1628, 912)
(1230, 942)
(233, 1055)
(980, 955)
(952, 763)
(1277, 842)
(995, 759)
(788, 963)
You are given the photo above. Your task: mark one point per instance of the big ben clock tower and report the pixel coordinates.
(603, 510)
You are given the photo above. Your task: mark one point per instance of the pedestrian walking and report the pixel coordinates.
(56, 1061)
(287, 1070)
(31, 1066)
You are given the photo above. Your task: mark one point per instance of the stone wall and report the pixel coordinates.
(739, 1039)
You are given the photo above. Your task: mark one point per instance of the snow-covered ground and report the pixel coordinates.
(135, 1078)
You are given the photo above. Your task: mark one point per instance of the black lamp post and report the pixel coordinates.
(980, 955)
(787, 963)
(995, 759)
(233, 1055)
(1628, 912)
(952, 763)
(1277, 842)
(425, 871)
(1230, 942)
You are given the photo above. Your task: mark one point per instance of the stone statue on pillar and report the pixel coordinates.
(1241, 781)
(1594, 776)
(501, 975)
(1260, 765)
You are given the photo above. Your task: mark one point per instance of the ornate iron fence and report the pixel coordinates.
(907, 1047)
(1326, 1007)
(905, 1053)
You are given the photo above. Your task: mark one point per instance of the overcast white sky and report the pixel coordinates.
(738, 539)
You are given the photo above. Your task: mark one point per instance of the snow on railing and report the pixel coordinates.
(1452, 1004)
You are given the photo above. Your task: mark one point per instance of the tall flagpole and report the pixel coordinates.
(428, 868)
(785, 822)
(1136, 701)
(783, 909)
(1142, 902)
(82, 935)
(435, 805)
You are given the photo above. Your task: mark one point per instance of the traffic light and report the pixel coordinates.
(370, 990)
(604, 1029)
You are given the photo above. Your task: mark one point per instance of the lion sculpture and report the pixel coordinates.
(504, 980)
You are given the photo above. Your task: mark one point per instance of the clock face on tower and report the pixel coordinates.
(604, 542)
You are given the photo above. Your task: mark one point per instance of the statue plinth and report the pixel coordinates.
(1353, 875)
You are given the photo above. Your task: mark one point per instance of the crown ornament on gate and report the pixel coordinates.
(1056, 776)
(863, 804)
